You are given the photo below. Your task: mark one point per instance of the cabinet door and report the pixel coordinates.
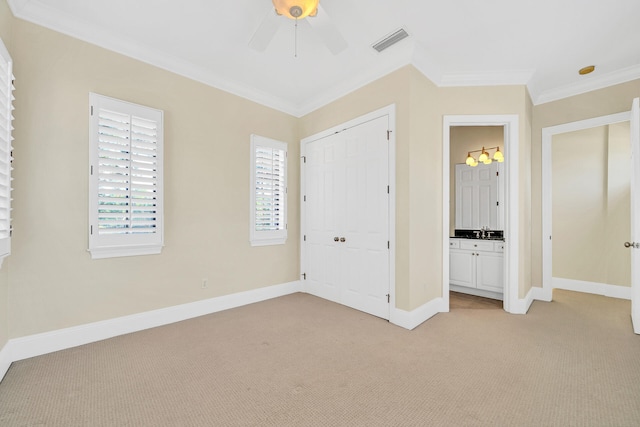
(490, 274)
(466, 198)
(487, 193)
(477, 197)
(462, 268)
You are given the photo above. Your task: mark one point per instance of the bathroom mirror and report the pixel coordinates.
(476, 191)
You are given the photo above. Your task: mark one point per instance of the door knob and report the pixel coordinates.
(342, 239)
(631, 245)
(335, 239)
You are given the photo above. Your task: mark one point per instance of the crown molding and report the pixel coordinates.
(39, 14)
(592, 83)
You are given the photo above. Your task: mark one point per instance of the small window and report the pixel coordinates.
(126, 196)
(6, 117)
(268, 191)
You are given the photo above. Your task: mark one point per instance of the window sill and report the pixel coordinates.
(124, 251)
(269, 242)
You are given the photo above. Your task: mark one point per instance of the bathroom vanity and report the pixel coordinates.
(476, 250)
(476, 266)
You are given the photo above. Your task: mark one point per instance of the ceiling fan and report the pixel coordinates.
(319, 20)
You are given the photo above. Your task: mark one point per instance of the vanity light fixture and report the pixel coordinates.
(485, 157)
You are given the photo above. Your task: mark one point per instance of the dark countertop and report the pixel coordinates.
(499, 239)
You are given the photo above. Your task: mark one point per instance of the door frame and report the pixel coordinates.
(390, 112)
(547, 181)
(635, 213)
(510, 122)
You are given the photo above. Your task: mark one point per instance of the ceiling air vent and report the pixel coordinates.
(390, 40)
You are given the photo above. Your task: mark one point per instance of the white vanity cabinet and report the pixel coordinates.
(478, 265)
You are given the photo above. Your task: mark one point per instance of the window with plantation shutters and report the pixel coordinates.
(268, 191)
(6, 128)
(126, 179)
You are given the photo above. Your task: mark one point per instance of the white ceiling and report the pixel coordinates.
(539, 43)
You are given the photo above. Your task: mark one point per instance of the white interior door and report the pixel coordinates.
(635, 215)
(324, 200)
(347, 217)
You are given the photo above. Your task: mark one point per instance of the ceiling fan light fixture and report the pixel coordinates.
(296, 9)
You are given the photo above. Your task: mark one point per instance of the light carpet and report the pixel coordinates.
(303, 361)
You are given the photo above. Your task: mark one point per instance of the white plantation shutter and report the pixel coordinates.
(268, 191)
(6, 128)
(126, 177)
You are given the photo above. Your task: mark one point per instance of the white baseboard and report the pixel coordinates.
(635, 320)
(48, 342)
(411, 319)
(5, 360)
(613, 291)
(541, 294)
(522, 305)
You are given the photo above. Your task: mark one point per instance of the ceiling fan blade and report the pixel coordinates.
(323, 25)
(265, 32)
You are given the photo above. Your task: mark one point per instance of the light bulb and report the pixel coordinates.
(483, 156)
(470, 160)
(498, 157)
(488, 161)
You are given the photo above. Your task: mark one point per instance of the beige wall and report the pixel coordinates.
(6, 26)
(611, 100)
(591, 203)
(54, 283)
(464, 139)
(618, 258)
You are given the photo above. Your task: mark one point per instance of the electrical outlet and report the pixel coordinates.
(205, 284)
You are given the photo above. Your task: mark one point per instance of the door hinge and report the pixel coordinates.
(304, 159)
(388, 135)
(497, 173)
(304, 276)
(388, 189)
(11, 231)
(91, 229)
(305, 198)
(388, 298)
(305, 237)
(91, 169)
(497, 203)
(388, 244)
(92, 110)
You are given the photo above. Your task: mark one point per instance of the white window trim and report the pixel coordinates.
(6, 138)
(109, 246)
(257, 237)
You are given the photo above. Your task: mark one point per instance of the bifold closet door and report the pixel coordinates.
(347, 217)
